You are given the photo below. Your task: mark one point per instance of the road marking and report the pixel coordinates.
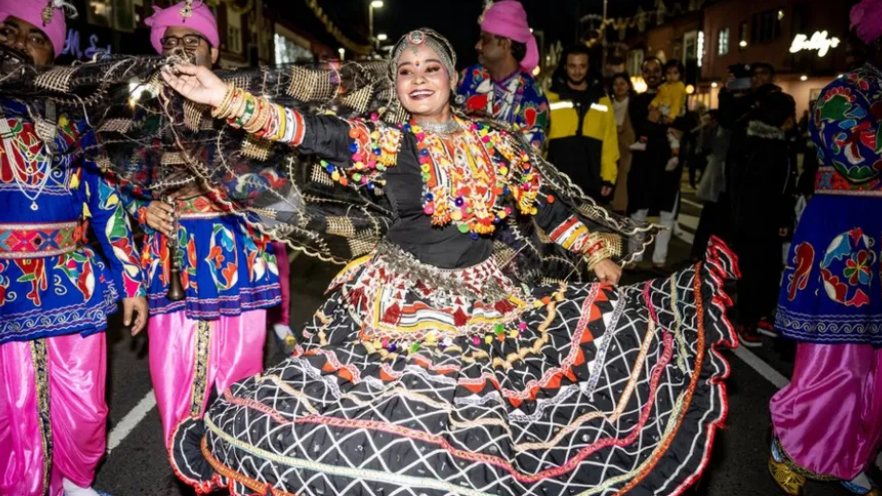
(130, 421)
(752, 360)
(764, 369)
(690, 202)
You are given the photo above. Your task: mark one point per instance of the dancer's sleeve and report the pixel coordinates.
(534, 196)
(564, 227)
(326, 136)
(845, 128)
(111, 226)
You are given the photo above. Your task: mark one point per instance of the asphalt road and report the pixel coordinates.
(137, 465)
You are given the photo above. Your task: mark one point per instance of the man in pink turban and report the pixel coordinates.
(215, 335)
(501, 85)
(26, 21)
(827, 422)
(55, 291)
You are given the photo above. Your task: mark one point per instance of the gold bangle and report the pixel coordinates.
(611, 247)
(254, 124)
(221, 109)
(231, 105)
(240, 108)
(263, 116)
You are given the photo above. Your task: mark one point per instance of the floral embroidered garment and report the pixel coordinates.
(51, 281)
(831, 290)
(517, 100)
(227, 267)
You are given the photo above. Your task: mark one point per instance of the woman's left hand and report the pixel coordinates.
(196, 83)
(608, 271)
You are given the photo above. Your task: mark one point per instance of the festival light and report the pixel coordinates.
(639, 84)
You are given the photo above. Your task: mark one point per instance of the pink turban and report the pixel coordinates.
(866, 20)
(32, 11)
(199, 17)
(509, 19)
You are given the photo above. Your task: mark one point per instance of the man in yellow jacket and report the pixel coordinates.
(583, 141)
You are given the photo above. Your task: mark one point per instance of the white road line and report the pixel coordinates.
(690, 202)
(764, 369)
(130, 421)
(747, 356)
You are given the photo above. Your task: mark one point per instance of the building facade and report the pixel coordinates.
(805, 40)
(251, 33)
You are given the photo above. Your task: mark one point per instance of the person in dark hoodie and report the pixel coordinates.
(763, 180)
(583, 141)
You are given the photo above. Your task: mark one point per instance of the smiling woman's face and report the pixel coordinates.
(422, 82)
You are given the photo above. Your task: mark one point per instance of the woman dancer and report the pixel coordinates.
(428, 371)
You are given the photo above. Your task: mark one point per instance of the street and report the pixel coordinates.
(137, 465)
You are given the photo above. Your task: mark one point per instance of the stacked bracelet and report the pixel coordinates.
(601, 246)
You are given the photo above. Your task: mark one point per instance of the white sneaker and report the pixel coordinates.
(71, 489)
(638, 146)
(672, 164)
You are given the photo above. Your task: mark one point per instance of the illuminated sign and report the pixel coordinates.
(818, 41)
(72, 46)
(700, 47)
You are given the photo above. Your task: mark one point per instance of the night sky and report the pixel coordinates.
(457, 19)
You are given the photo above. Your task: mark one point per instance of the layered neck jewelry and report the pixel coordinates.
(465, 174)
(32, 171)
(448, 127)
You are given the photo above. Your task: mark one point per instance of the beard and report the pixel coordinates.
(576, 82)
(12, 60)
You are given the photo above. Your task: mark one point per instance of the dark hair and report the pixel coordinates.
(762, 65)
(676, 64)
(627, 78)
(518, 50)
(714, 114)
(576, 50)
(651, 59)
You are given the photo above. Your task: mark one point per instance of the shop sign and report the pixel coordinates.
(819, 41)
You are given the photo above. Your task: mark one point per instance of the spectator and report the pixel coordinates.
(761, 181)
(651, 188)
(501, 85)
(583, 140)
(714, 218)
(622, 90)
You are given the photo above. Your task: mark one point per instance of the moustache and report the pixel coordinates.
(12, 60)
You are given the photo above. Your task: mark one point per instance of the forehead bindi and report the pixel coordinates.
(417, 53)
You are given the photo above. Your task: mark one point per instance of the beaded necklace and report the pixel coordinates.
(464, 172)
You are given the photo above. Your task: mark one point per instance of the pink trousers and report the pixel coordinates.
(829, 418)
(52, 413)
(189, 358)
(284, 311)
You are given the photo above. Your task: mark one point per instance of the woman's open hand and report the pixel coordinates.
(195, 83)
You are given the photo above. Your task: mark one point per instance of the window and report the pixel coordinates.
(766, 27)
(635, 62)
(723, 42)
(234, 32)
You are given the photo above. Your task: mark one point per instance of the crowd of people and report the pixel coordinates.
(457, 376)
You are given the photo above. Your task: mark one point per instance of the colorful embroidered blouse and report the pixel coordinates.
(845, 127)
(517, 100)
(449, 191)
(227, 267)
(51, 282)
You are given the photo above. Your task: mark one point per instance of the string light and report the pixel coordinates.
(335, 31)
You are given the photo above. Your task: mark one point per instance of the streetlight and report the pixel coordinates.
(375, 4)
(382, 37)
(803, 78)
(342, 52)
